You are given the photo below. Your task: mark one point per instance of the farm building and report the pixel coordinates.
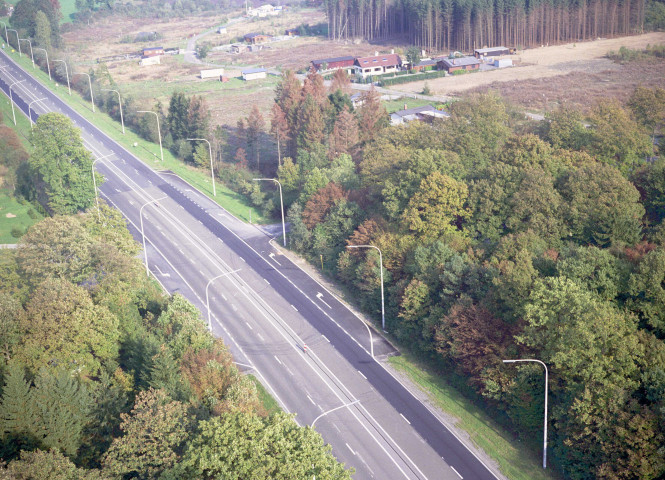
(253, 74)
(263, 11)
(426, 113)
(255, 38)
(154, 60)
(212, 73)
(451, 65)
(334, 63)
(291, 32)
(153, 51)
(221, 30)
(427, 64)
(490, 52)
(377, 65)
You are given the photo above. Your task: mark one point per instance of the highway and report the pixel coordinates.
(267, 309)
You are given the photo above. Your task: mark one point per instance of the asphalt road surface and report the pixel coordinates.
(267, 309)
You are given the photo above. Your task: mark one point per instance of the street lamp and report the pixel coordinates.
(212, 173)
(208, 299)
(281, 201)
(545, 423)
(122, 121)
(48, 67)
(332, 410)
(94, 182)
(92, 99)
(145, 252)
(18, 40)
(31, 54)
(159, 133)
(11, 98)
(30, 111)
(383, 310)
(66, 74)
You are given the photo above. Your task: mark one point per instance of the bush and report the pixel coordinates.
(17, 232)
(412, 78)
(32, 214)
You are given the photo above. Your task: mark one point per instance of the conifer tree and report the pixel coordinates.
(279, 128)
(345, 135)
(17, 416)
(372, 115)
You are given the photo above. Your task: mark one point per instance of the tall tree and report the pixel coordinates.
(279, 128)
(372, 115)
(312, 124)
(340, 81)
(61, 165)
(42, 30)
(154, 433)
(345, 135)
(255, 130)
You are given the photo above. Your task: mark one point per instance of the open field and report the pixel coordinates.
(14, 215)
(574, 72)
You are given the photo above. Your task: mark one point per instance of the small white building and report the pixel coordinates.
(145, 61)
(212, 73)
(254, 74)
(503, 62)
(263, 11)
(221, 30)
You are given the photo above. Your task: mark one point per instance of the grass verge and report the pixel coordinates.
(514, 462)
(269, 403)
(18, 216)
(394, 105)
(146, 151)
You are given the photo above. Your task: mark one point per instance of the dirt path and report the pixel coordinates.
(537, 63)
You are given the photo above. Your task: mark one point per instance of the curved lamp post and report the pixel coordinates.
(48, 67)
(92, 99)
(281, 201)
(145, 252)
(212, 173)
(66, 75)
(332, 410)
(159, 133)
(30, 111)
(383, 310)
(545, 423)
(5, 25)
(122, 121)
(31, 54)
(11, 98)
(18, 40)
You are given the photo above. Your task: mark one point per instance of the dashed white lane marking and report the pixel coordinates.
(294, 308)
(326, 338)
(233, 306)
(361, 374)
(288, 370)
(224, 297)
(250, 327)
(242, 259)
(266, 281)
(405, 419)
(347, 446)
(310, 399)
(278, 360)
(260, 337)
(460, 476)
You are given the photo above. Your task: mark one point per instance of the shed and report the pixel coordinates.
(490, 52)
(451, 65)
(333, 63)
(145, 61)
(425, 113)
(254, 74)
(503, 62)
(291, 32)
(212, 73)
(153, 51)
(221, 30)
(423, 64)
(257, 38)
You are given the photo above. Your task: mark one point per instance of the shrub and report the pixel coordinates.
(17, 232)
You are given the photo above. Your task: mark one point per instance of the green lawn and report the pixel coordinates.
(22, 127)
(67, 8)
(514, 461)
(394, 105)
(269, 403)
(149, 152)
(18, 216)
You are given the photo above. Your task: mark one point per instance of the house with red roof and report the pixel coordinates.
(377, 65)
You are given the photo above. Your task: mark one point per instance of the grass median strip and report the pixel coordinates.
(513, 460)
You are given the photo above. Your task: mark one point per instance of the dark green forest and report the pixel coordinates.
(103, 376)
(467, 24)
(501, 238)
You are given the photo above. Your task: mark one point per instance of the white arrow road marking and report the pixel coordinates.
(319, 295)
(272, 257)
(162, 273)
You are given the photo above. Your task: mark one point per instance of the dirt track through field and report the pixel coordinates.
(540, 63)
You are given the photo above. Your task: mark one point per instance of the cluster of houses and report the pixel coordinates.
(264, 11)
(364, 67)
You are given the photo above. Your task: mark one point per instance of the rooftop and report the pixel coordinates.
(379, 60)
(253, 70)
(488, 50)
(331, 60)
(457, 62)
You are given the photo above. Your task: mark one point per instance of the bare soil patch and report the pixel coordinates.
(546, 65)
